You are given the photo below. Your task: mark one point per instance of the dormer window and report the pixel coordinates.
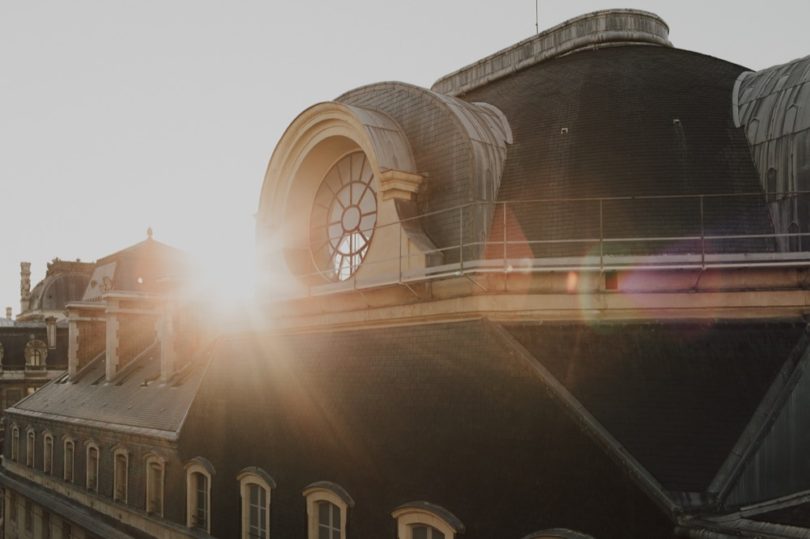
(35, 354)
(198, 494)
(343, 217)
(423, 520)
(327, 508)
(255, 485)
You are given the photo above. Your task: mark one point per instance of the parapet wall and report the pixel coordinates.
(597, 29)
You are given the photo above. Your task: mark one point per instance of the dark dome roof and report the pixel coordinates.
(55, 291)
(628, 121)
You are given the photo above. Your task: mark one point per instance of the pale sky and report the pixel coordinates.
(119, 115)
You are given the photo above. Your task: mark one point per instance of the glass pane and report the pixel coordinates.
(324, 513)
(419, 532)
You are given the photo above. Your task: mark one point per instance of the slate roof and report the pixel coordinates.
(135, 399)
(442, 413)
(640, 120)
(56, 291)
(676, 395)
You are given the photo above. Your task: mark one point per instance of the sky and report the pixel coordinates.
(116, 116)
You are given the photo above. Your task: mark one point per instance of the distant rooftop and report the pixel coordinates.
(598, 29)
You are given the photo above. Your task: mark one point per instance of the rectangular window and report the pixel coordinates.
(257, 516)
(328, 521)
(12, 507)
(29, 515)
(67, 531)
(46, 525)
(201, 501)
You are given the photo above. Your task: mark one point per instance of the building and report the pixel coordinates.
(560, 294)
(33, 349)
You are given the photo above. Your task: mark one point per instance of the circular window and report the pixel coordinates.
(343, 217)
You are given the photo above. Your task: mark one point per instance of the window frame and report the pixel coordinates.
(258, 477)
(123, 496)
(47, 452)
(325, 491)
(30, 447)
(15, 443)
(203, 467)
(423, 513)
(149, 460)
(88, 446)
(68, 478)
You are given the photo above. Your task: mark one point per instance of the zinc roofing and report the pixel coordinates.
(676, 395)
(134, 399)
(627, 122)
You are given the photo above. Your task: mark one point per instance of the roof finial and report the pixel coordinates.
(149, 233)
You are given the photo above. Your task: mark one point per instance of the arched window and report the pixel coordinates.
(120, 475)
(47, 453)
(255, 485)
(30, 445)
(327, 508)
(91, 479)
(69, 460)
(423, 520)
(198, 494)
(15, 443)
(155, 472)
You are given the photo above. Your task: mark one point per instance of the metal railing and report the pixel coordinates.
(586, 234)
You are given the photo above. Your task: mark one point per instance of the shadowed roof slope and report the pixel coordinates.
(622, 122)
(443, 413)
(676, 395)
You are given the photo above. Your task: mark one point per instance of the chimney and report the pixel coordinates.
(25, 286)
(8, 313)
(166, 334)
(50, 329)
(113, 326)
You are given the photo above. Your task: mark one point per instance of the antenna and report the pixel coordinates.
(537, 16)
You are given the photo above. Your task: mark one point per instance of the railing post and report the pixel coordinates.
(702, 237)
(505, 264)
(461, 238)
(601, 236)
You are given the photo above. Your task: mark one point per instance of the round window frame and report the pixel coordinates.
(327, 265)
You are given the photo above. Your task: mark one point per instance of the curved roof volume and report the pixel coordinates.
(771, 105)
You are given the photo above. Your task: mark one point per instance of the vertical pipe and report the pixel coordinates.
(503, 207)
(702, 237)
(461, 238)
(601, 236)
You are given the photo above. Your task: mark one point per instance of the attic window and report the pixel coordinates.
(343, 217)
(423, 520)
(327, 508)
